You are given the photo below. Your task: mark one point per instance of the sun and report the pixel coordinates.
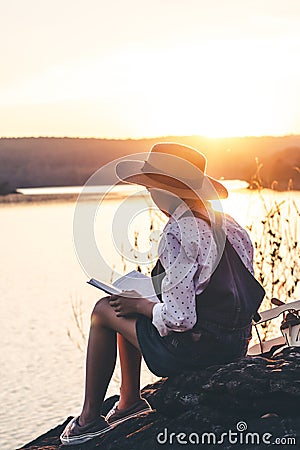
(216, 89)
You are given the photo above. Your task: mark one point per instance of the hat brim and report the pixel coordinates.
(131, 172)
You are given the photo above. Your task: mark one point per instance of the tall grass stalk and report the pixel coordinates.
(277, 252)
(79, 339)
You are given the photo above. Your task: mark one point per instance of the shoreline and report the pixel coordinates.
(11, 199)
(20, 198)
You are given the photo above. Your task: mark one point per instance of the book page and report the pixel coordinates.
(105, 287)
(137, 281)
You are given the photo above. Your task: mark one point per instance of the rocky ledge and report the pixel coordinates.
(251, 403)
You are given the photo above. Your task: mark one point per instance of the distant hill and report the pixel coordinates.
(33, 162)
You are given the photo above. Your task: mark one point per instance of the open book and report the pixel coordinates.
(131, 281)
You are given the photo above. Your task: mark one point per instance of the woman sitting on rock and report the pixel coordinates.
(203, 279)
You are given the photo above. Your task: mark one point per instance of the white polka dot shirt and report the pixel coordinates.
(189, 255)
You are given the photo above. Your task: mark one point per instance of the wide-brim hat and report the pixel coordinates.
(175, 168)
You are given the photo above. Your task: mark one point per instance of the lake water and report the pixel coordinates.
(42, 370)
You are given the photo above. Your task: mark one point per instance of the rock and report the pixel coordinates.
(254, 400)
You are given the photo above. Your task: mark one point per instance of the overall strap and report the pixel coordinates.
(216, 228)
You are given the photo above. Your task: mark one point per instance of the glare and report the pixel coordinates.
(216, 89)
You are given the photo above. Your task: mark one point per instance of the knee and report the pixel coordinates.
(100, 311)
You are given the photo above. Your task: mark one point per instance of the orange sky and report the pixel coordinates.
(150, 68)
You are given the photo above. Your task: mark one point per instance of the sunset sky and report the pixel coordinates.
(134, 68)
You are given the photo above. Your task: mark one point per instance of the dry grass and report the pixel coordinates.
(77, 333)
(277, 252)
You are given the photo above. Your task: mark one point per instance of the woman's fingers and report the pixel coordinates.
(125, 305)
(116, 307)
(114, 300)
(115, 304)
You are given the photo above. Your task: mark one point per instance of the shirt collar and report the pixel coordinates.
(179, 211)
(183, 208)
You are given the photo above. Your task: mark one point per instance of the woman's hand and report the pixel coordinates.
(131, 303)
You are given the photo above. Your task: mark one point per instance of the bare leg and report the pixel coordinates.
(100, 363)
(130, 359)
(101, 355)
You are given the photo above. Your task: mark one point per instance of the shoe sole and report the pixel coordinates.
(83, 437)
(130, 416)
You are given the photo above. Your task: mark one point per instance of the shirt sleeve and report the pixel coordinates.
(178, 310)
(240, 240)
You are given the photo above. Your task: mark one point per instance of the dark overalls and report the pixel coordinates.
(225, 310)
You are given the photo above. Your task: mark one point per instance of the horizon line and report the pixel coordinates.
(152, 137)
